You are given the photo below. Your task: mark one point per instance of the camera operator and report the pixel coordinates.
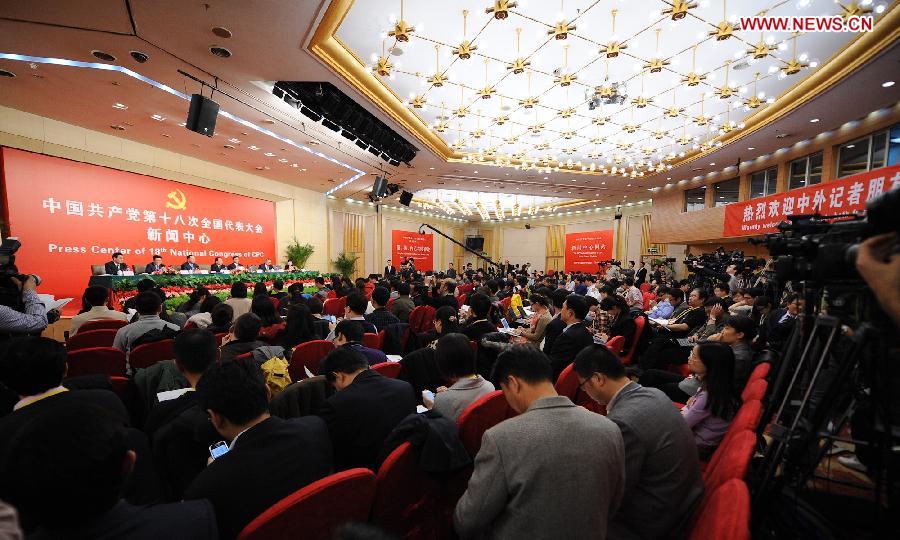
(32, 318)
(880, 268)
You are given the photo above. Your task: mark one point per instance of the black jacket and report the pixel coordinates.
(441, 301)
(623, 326)
(362, 415)
(113, 268)
(436, 436)
(567, 346)
(152, 267)
(554, 329)
(267, 463)
(190, 266)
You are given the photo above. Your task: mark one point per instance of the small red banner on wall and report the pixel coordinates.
(585, 249)
(71, 215)
(850, 194)
(406, 244)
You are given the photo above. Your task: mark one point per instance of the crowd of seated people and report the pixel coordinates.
(595, 476)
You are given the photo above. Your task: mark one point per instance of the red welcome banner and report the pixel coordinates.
(850, 194)
(585, 249)
(406, 244)
(71, 215)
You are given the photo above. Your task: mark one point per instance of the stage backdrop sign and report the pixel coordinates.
(70, 215)
(406, 244)
(585, 249)
(850, 194)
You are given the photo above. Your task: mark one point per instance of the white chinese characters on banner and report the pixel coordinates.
(135, 215)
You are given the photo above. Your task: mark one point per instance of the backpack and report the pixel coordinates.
(276, 371)
(157, 334)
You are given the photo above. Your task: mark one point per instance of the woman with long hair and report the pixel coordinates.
(300, 327)
(620, 322)
(192, 306)
(203, 317)
(260, 289)
(263, 308)
(709, 412)
(456, 363)
(534, 334)
(446, 321)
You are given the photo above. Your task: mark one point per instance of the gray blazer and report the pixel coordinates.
(460, 395)
(555, 471)
(662, 472)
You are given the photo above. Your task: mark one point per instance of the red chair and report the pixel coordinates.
(219, 338)
(150, 353)
(639, 323)
(732, 460)
(747, 417)
(308, 355)
(725, 514)
(388, 369)
(615, 344)
(461, 300)
(403, 502)
(421, 319)
(105, 360)
(480, 416)
(102, 324)
(567, 385)
(681, 369)
(317, 509)
(93, 338)
(381, 340)
(761, 371)
(474, 345)
(123, 387)
(370, 340)
(245, 355)
(389, 304)
(275, 302)
(188, 325)
(755, 390)
(335, 306)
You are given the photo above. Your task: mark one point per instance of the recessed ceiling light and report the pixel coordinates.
(120, 106)
(235, 141)
(221, 52)
(282, 160)
(751, 148)
(712, 164)
(476, 172)
(814, 120)
(887, 84)
(252, 147)
(221, 32)
(419, 181)
(105, 56)
(158, 117)
(269, 154)
(430, 168)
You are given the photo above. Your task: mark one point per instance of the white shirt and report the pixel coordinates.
(239, 305)
(96, 312)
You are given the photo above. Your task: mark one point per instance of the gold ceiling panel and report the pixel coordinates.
(581, 86)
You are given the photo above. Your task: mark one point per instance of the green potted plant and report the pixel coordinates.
(346, 263)
(298, 253)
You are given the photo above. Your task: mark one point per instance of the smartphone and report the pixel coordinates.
(428, 394)
(504, 323)
(218, 450)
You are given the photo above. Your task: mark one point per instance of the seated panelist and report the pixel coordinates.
(190, 264)
(266, 266)
(117, 266)
(217, 265)
(235, 264)
(156, 266)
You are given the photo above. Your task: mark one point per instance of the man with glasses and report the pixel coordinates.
(662, 472)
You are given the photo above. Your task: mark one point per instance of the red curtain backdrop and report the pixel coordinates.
(850, 194)
(406, 244)
(585, 249)
(70, 215)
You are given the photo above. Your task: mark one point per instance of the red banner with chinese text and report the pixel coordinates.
(850, 194)
(71, 215)
(585, 249)
(406, 244)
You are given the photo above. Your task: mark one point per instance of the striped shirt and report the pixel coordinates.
(34, 318)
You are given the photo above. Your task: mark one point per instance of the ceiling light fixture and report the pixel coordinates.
(887, 84)
(120, 106)
(158, 117)
(464, 50)
(402, 29)
(501, 8)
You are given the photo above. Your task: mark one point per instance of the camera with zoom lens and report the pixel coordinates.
(823, 249)
(10, 293)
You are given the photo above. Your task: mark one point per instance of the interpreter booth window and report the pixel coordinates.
(762, 183)
(863, 154)
(727, 192)
(806, 171)
(695, 199)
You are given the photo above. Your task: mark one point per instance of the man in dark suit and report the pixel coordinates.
(574, 337)
(66, 470)
(266, 266)
(662, 473)
(155, 266)
(556, 325)
(235, 264)
(179, 430)
(349, 334)
(268, 458)
(217, 265)
(390, 269)
(116, 266)
(451, 272)
(365, 409)
(381, 317)
(443, 295)
(641, 275)
(780, 323)
(190, 264)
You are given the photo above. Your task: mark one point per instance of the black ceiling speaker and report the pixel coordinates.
(406, 198)
(202, 115)
(379, 188)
